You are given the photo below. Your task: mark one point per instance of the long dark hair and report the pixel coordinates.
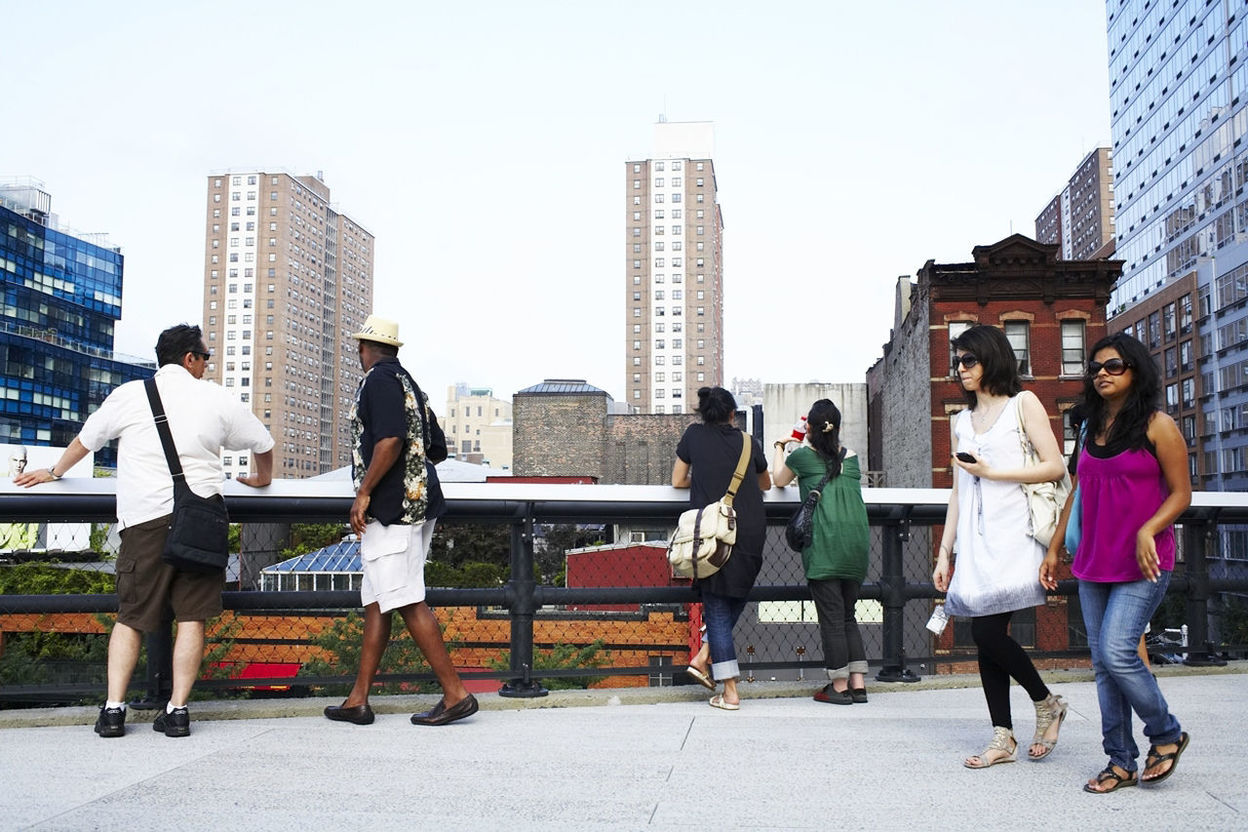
(823, 428)
(996, 356)
(1143, 398)
(716, 405)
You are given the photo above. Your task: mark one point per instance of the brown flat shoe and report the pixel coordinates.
(358, 715)
(442, 715)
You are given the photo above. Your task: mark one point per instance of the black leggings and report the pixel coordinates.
(1001, 657)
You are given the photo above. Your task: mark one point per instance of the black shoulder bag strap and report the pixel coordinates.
(166, 436)
(818, 489)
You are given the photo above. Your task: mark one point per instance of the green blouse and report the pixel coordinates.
(842, 538)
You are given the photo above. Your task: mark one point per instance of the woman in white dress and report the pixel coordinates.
(997, 569)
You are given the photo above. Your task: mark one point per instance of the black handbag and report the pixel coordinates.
(199, 528)
(800, 531)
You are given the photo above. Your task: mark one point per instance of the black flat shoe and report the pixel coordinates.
(832, 696)
(359, 715)
(442, 715)
(859, 695)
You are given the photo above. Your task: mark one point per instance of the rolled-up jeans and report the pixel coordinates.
(720, 614)
(1115, 615)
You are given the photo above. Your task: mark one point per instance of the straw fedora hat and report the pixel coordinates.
(381, 330)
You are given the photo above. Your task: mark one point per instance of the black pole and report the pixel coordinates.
(893, 599)
(159, 668)
(522, 601)
(1200, 650)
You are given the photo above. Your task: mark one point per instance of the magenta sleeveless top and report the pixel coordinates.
(1118, 495)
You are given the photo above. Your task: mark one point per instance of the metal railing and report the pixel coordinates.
(779, 635)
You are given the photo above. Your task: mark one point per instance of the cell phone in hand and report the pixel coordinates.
(965, 457)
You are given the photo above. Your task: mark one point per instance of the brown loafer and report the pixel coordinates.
(442, 715)
(359, 715)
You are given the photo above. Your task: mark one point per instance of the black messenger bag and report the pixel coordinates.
(199, 528)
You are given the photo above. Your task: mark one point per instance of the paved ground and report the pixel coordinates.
(642, 760)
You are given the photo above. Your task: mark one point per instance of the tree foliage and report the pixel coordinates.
(562, 657)
(43, 578)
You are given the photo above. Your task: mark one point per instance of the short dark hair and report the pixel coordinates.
(388, 350)
(177, 341)
(716, 405)
(996, 356)
(1142, 400)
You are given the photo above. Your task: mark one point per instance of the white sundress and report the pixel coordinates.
(997, 565)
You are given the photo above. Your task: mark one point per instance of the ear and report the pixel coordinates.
(187, 360)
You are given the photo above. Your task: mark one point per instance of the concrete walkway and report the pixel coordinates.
(779, 763)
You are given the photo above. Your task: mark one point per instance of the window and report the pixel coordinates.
(1185, 356)
(1072, 348)
(1185, 314)
(658, 198)
(658, 183)
(1172, 362)
(636, 184)
(1019, 335)
(1168, 322)
(699, 181)
(1188, 387)
(1172, 397)
(1154, 330)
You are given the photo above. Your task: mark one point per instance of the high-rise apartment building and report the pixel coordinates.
(1080, 219)
(674, 273)
(61, 300)
(287, 279)
(1178, 76)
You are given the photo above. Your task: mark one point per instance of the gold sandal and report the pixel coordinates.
(1002, 738)
(1050, 710)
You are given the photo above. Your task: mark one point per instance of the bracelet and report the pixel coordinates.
(779, 444)
(52, 473)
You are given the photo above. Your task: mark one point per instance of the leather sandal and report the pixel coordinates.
(1050, 710)
(1154, 759)
(998, 751)
(1108, 775)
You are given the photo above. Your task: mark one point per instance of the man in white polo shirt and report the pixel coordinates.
(204, 418)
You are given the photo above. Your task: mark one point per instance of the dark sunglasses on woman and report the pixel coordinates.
(967, 360)
(1114, 366)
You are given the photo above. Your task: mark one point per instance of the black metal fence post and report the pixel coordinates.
(522, 595)
(893, 599)
(1196, 538)
(159, 674)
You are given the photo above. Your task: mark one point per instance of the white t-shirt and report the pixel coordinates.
(203, 419)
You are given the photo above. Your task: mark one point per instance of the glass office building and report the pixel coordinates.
(62, 298)
(1178, 72)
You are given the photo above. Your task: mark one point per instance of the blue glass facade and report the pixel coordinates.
(1179, 103)
(61, 299)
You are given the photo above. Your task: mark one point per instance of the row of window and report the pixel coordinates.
(1073, 336)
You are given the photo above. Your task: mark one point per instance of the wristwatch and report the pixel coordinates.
(52, 473)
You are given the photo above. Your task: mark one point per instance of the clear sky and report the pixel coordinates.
(483, 144)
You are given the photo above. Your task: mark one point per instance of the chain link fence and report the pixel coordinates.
(535, 592)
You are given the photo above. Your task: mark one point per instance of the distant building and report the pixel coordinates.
(673, 255)
(785, 404)
(566, 427)
(62, 298)
(1080, 219)
(287, 280)
(478, 426)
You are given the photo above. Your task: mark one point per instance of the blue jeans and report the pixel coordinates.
(1115, 615)
(721, 614)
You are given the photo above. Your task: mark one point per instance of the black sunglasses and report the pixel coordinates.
(203, 355)
(1114, 366)
(966, 359)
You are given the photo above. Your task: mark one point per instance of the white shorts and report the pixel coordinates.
(394, 564)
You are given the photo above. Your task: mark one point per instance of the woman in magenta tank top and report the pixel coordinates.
(1133, 485)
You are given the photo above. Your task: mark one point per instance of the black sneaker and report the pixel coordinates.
(111, 722)
(832, 696)
(175, 724)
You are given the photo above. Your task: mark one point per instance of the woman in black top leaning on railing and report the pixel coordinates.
(706, 459)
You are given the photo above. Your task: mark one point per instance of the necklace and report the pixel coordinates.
(988, 415)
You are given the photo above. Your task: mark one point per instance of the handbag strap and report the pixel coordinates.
(818, 489)
(739, 474)
(1029, 451)
(166, 436)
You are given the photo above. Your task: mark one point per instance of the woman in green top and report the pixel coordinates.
(836, 560)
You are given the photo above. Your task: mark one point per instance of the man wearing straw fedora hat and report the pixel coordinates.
(397, 500)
